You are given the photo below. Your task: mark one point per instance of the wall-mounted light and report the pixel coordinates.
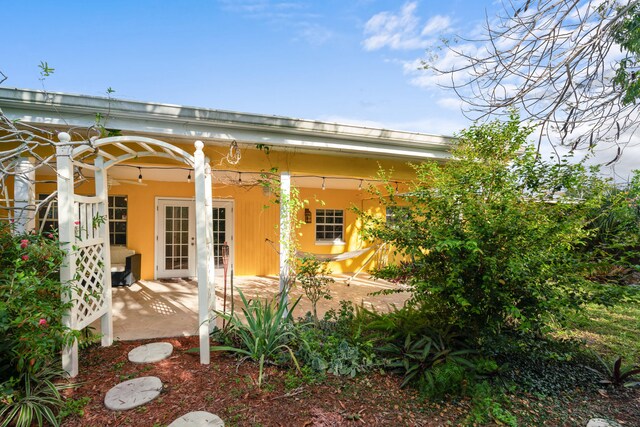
(239, 178)
(189, 177)
(360, 185)
(139, 175)
(323, 186)
(307, 216)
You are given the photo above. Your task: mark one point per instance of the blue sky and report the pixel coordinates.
(346, 61)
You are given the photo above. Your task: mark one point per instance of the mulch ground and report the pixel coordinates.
(229, 390)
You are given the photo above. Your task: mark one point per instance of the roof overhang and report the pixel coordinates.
(62, 110)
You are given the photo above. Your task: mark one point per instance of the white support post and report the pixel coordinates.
(201, 251)
(102, 190)
(24, 196)
(208, 197)
(285, 235)
(66, 229)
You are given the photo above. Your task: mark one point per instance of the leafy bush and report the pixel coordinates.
(614, 224)
(314, 276)
(336, 344)
(430, 363)
(489, 238)
(487, 404)
(31, 330)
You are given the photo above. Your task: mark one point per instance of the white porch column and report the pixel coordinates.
(24, 196)
(66, 229)
(285, 234)
(102, 190)
(201, 251)
(208, 197)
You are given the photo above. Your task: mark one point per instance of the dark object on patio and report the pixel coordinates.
(125, 266)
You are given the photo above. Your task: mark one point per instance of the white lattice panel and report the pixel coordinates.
(89, 292)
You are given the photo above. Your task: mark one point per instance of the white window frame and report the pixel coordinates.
(335, 241)
(112, 218)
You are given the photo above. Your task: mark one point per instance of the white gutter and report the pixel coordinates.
(64, 110)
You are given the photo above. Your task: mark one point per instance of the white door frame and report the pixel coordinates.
(160, 236)
(229, 231)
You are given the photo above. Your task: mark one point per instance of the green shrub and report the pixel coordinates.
(433, 364)
(314, 277)
(31, 329)
(489, 239)
(335, 344)
(487, 404)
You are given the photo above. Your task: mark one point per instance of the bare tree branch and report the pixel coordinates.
(555, 61)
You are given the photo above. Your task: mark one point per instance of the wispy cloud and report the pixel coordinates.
(313, 34)
(437, 24)
(402, 30)
(298, 17)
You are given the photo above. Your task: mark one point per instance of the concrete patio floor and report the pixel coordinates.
(169, 308)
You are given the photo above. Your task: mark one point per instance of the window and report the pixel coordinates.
(118, 220)
(48, 218)
(329, 225)
(396, 215)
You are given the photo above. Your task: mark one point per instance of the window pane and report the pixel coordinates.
(329, 224)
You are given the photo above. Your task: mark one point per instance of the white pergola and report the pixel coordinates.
(84, 233)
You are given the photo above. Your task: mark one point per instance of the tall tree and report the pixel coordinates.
(569, 65)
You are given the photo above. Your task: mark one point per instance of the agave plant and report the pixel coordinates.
(264, 333)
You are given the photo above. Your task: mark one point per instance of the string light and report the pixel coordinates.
(360, 181)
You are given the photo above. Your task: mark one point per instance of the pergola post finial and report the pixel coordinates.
(64, 137)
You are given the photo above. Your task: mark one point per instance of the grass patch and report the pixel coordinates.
(610, 331)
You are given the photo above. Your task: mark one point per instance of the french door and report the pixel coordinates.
(222, 233)
(175, 238)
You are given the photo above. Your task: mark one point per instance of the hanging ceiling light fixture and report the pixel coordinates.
(139, 175)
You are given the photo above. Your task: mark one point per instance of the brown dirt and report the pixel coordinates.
(230, 391)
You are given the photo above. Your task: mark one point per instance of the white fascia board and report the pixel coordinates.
(59, 109)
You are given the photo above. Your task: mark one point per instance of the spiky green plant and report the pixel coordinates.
(265, 332)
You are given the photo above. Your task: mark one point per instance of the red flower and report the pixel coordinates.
(24, 243)
(43, 322)
(50, 235)
(25, 257)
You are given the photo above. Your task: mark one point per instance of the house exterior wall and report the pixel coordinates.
(255, 216)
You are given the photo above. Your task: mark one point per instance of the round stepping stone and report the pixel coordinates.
(198, 419)
(132, 393)
(153, 352)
